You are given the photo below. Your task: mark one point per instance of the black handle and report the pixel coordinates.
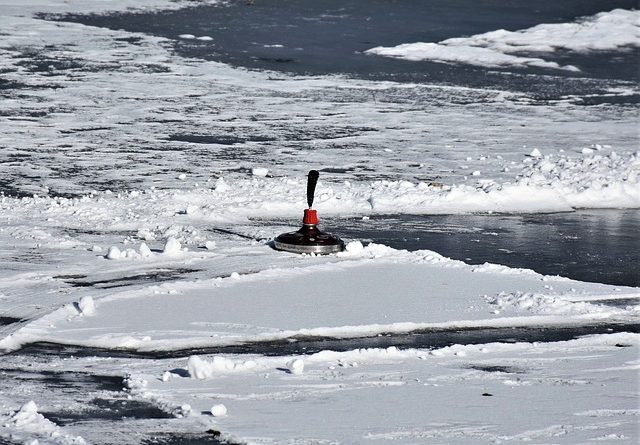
(311, 186)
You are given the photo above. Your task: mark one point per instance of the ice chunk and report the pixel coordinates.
(144, 250)
(113, 253)
(535, 153)
(146, 234)
(87, 306)
(218, 410)
(354, 247)
(221, 185)
(604, 31)
(210, 245)
(296, 366)
(172, 246)
(184, 410)
(28, 420)
(259, 171)
(29, 408)
(203, 369)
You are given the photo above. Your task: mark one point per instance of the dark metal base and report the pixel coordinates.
(309, 240)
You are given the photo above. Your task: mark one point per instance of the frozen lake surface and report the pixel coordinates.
(599, 245)
(331, 37)
(480, 159)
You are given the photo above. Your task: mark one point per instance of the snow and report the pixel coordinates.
(148, 253)
(605, 31)
(543, 184)
(436, 293)
(460, 53)
(202, 369)
(458, 394)
(374, 116)
(32, 427)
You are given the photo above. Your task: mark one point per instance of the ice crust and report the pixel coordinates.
(606, 31)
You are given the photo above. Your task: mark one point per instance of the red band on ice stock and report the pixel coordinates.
(310, 217)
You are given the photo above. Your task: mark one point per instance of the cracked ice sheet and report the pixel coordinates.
(571, 392)
(370, 291)
(161, 117)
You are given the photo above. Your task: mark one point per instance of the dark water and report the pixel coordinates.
(330, 36)
(99, 400)
(590, 245)
(82, 401)
(424, 339)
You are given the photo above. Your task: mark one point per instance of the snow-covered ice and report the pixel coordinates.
(493, 393)
(154, 254)
(614, 30)
(31, 427)
(373, 290)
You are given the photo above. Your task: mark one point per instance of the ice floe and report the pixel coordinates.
(605, 31)
(370, 291)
